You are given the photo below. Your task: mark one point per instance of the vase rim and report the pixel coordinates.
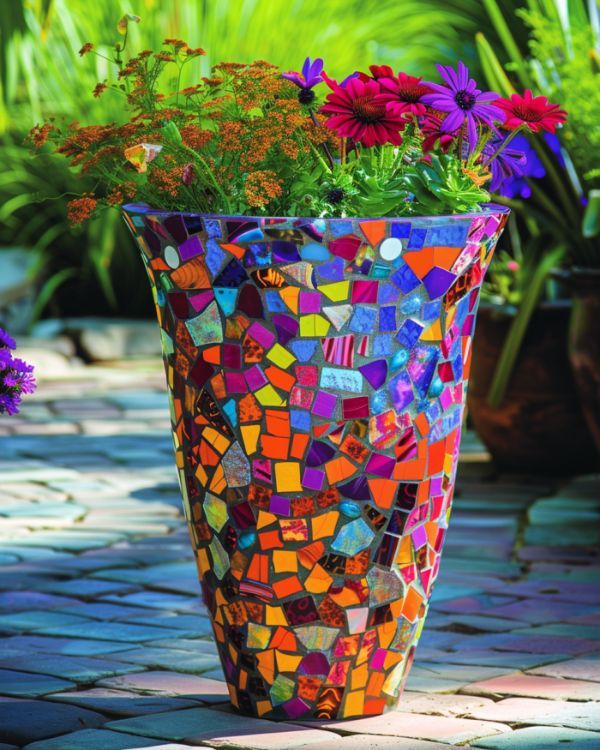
(488, 209)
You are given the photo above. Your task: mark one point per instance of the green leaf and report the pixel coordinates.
(590, 226)
(518, 328)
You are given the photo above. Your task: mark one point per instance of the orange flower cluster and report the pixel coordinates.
(262, 186)
(80, 209)
(244, 122)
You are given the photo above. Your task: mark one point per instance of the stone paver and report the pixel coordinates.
(105, 643)
(23, 721)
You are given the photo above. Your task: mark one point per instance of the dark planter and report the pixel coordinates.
(584, 342)
(540, 425)
(316, 372)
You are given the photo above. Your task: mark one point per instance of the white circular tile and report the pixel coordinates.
(171, 257)
(391, 248)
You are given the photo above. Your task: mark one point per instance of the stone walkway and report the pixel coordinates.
(104, 644)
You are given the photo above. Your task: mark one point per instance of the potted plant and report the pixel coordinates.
(556, 210)
(315, 250)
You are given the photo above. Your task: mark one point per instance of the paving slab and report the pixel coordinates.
(542, 738)
(535, 686)
(23, 721)
(447, 729)
(113, 702)
(537, 711)
(92, 739)
(171, 683)
(27, 685)
(200, 725)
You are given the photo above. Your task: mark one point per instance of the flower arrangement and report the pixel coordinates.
(252, 140)
(16, 376)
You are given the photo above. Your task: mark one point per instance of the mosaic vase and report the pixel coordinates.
(317, 371)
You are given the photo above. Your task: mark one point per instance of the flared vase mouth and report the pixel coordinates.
(487, 210)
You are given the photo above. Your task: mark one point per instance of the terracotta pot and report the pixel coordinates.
(584, 343)
(540, 425)
(316, 371)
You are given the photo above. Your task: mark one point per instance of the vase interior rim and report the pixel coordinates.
(488, 209)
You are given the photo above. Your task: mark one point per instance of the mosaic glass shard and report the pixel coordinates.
(317, 372)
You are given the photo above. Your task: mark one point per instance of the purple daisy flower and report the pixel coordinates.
(509, 163)
(462, 101)
(6, 339)
(309, 76)
(513, 166)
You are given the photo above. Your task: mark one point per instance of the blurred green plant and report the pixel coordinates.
(561, 220)
(41, 75)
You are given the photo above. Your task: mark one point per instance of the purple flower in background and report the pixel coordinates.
(6, 339)
(513, 166)
(16, 376)
(463, 102)
(310, 75)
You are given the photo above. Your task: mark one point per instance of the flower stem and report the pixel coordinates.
(503, 145)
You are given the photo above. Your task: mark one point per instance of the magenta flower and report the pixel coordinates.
(354, 113)
(463, 102)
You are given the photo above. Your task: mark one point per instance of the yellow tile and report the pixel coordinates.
(324, 525)
(285, 562)
(433, 333)
(359, 677)
(268, 396)
(219, 442)
(287, 662)
(265, 519)
(250, 435)
(287, 476)
(263, 707)
(314, 325)
(319, 580)
(337, 292)
(280, 356)
(275, 616)
(355, 702)
(289, 295)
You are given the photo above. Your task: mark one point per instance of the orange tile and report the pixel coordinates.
(374, 706)
(383, 492)
(338, 469)
(412, 603)
(284, 640)
(299, 444)
(212, 355)
(324, 525)
(249, 409)
(319, 581)
(308, 687)
(270, 540)
(275, 447)
(309, 555)
(266, 665)
(436, 453)
(258, 570)
(420, 261)
(287, 587)
(218, 385)
(285, 561)
(374, 231)
(375, 684)
(278, 422)
(236, 250)
(280, 378)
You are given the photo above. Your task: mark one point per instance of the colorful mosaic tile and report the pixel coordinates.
(317, 373)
